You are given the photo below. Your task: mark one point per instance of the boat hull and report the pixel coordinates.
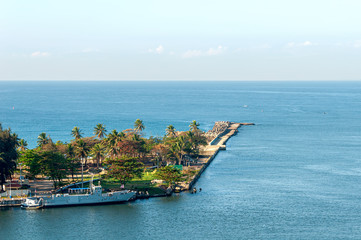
(85, 204)
(31, 208)
(87, 200)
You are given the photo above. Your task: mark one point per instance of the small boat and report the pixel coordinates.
(33, 203)
(177, 189)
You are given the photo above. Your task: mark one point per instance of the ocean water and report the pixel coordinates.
(294, 175)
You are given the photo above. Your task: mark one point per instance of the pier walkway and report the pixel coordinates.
(209, 151)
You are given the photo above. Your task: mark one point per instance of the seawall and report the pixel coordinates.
(212, 149)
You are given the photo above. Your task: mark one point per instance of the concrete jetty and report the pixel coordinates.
(221, 133)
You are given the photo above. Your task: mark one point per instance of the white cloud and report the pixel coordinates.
(357, 44)
(87, 50)
(192, 53)
(264, 46)
(210, 52)
(217, 51)
(40, 54)
(307, 43)
(303, 44)
(158, 50)
(290, 45)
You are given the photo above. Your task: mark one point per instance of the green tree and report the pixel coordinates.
(178, 148)
(99, 131)
(82, 150)
(125, 168)
(33, 160)
(8, 154)
(48, 163)
(76, 133)
(72, 161)
(112, 143)
(170, 131)
(42, 139)
(194, 126)
(195, 142)
(138, 126)
(98, 153)
(55, 166)
(22, 145)
(169, 174)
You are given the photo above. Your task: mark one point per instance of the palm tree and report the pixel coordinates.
(70, 154)
(170, 130)
(97, 152)
(112, 141)
(82, 150)
(22, 145)
(179, 148)
(70, 151)
(138, 126)
(194, 126)
(76, 133)
(99, 130)
(42, 139)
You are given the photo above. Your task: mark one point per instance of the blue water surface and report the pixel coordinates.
(294, 175)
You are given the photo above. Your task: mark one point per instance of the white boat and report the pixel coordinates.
(33, 203)
(94, 197)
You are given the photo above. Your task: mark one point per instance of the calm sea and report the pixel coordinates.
(296, 174)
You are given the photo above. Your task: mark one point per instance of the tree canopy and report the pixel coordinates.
(138, 126)
(125, 168)
(76, 133)
(169, 174)
(100, 131)
(8, 154)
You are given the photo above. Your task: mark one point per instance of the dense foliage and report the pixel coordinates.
(124, 154)
(48, 163)
(169, 174)
(125, 168)
(8, 154)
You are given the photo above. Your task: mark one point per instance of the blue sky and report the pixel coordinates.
(180, 40)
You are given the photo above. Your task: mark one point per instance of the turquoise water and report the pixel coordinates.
(295, 175)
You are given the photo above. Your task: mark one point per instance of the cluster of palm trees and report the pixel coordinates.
(184, 146)
(174, 148)
(98, 147)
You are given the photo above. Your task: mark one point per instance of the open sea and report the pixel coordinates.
(296, 174)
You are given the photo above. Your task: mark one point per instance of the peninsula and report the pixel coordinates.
(122, 160)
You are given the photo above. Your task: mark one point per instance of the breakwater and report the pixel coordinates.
(221, 133)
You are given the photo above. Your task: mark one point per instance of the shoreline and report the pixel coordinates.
(218, 137)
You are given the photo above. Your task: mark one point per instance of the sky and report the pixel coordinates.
(180, 40)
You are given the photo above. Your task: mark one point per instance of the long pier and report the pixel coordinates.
(210, 151)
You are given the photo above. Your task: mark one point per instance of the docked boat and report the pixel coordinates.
(94, 196)
(32, 203)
